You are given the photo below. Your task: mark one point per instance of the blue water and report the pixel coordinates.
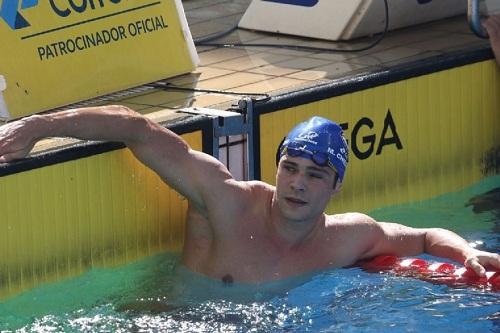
(156, 294)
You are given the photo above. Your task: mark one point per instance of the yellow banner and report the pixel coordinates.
(58, 52)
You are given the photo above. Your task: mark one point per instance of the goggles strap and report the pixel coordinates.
(278, 151)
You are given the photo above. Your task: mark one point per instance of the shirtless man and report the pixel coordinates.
(250, 231)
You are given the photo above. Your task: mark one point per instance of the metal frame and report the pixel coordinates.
(235, 121)
(474, 18)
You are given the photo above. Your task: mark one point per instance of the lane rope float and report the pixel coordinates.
(434, 272)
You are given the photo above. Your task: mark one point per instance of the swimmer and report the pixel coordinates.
(250, 231)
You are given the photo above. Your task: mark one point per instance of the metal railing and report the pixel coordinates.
(474, 17)
(480, 9)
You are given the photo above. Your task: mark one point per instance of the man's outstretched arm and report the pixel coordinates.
(396, 239)
(160, 149)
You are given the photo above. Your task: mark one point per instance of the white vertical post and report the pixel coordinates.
(4, 113)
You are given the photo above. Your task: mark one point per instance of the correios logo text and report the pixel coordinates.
(304, 3)
(10, 10)
(11, 15)
(78, 6)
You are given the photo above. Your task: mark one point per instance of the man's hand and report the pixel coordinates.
(16, 140)
(492, 25)
(478, 260)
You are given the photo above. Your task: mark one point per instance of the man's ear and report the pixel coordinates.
(337, 186)
(337, 183)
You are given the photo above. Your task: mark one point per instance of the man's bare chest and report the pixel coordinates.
(256, 259)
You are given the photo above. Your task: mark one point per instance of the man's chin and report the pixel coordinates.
(296, 215)
(293, 211)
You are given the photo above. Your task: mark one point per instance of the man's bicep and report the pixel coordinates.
(209, 178)
(397, 239)
(191, 173)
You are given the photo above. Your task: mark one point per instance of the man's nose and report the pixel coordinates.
(298, 182)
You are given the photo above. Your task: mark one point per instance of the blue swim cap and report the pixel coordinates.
(319, 140)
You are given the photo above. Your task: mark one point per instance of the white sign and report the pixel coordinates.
(343, 19)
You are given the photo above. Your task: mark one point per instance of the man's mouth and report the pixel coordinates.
(295, 201)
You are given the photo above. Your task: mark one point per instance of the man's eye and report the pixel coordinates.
(289, 168)
(316, 175)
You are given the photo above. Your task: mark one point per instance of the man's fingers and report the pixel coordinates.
(6, 158)
(495, 19)
(476, 267)
(493, 22)
(492, 25)
(482, 259)
(492, 29)
(489, 29)
(16, 141)
(9, 157)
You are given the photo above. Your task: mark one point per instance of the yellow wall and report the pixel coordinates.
(103, 210)
(446, 121)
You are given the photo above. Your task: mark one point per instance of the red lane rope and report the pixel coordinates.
(435, 272)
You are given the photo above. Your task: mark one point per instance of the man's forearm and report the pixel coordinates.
(110, 123)
(447, 244)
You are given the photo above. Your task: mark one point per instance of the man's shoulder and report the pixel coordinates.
(249, 186)
(349, 219)
(352, 226)
(252, 192)
(259, 186)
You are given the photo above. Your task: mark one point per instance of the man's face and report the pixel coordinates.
(303, 189)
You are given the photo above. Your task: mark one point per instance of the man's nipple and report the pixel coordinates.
(227, 280)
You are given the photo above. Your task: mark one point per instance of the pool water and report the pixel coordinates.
(156, 294)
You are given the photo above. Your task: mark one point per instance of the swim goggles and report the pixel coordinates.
(296, 149)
